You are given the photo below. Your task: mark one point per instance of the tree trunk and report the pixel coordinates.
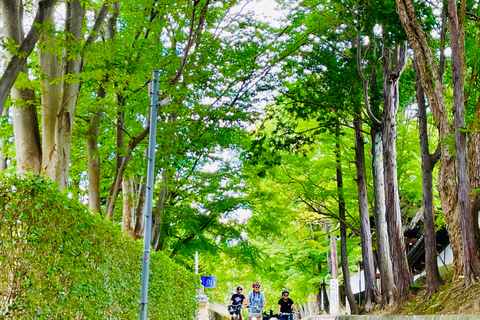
(120, 129)
(471, 260)
(94, 159)
(432, 84)
(355, 309)
(388, 286)
(383, 248)
(473, 149)
(24, 111)
(434, 280)
(333, 256)
(68, 93)
(26, 132)
(159, 224)
(50, 98)
(394, 216)
(128, 216)
(117, 182)
(15, 65)
(3, 158)
(140, 209)
(371, 291)
(92, 133)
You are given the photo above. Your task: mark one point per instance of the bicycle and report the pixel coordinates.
(288, 315)
(235, 310)
(254, 312)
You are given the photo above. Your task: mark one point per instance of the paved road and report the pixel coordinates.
(322, 317)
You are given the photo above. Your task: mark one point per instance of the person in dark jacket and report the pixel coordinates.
(285, 305)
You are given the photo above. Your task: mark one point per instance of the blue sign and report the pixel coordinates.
(209, 282)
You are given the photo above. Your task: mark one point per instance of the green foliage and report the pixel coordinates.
(58, 261)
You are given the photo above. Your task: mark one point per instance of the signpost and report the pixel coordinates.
(334, 296)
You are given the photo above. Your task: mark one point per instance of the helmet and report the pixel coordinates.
(285, 291)
(255, 284)
(240, 287)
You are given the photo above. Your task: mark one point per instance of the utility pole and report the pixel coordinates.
(149, 196)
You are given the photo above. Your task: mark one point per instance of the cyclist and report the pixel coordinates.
(285, 305)
(256, 299)
(238, 299)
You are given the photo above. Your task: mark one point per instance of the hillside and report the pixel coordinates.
(452, 298)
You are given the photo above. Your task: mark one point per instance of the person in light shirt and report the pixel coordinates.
(256, 299)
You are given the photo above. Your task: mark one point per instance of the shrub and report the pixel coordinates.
(58, 261)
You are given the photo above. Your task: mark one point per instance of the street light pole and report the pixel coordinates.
(147, 231)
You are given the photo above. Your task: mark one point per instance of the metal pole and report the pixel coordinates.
(196, 262)
(149, 197)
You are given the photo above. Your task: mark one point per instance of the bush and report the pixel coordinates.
(58, 261)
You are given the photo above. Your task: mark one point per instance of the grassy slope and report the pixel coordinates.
(452, 298)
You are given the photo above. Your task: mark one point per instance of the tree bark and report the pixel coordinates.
(50, 98)
(392, 200)
(140, 208)
(94, 159)
(355, 309)
(3, 158)
(434, 280)
(388, 286)
(120, 129)
(432, 84)
(159, 225)
(371, 291)
(128, 202)
(471, 259)
(68, 93)
(24, 112)
(473, 149)
(45, 8)
(333, 256)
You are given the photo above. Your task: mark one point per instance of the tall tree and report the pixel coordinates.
(391, 94)
(355, 309)
(18, 61)
(371, 291)
(388, 286)
(24, 111)
(434, 90)
(471, 259)
(434, 280)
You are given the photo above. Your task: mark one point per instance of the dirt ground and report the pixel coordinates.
(452, 298)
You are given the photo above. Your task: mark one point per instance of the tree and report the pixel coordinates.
(471, 260)
(434, 90)
(434, 279)
(383, 246)
(371, 290)
(343, 230)
(391, 75)
(18, 61)
(24, 111)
